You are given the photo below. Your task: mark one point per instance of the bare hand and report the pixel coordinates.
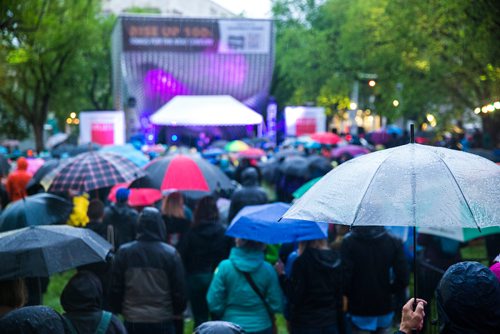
(279, 267)
(410, 319)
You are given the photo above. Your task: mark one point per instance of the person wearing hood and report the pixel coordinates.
(18, 180)
(468, 300)
(250, 194)
(314, 289)
(375, 268)
(233, 297)
(201, 249)
(32, 320)
(147, 279)
(122, 218)
(82, 299)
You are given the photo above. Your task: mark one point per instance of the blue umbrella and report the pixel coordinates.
(129, 152)
(260, 223)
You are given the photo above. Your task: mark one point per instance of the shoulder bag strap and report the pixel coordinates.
(104, 323)
(69, 325)
(257, 291)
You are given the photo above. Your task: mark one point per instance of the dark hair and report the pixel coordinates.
(13, 293)
(95, 210)
(206, 210)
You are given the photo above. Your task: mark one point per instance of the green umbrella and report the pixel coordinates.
(236, 146)
(460, 234)
(305, 187)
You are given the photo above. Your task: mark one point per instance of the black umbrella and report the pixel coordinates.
(39, 251)
(318, 166)
(39, 209)
(295, 166)
(4, 166)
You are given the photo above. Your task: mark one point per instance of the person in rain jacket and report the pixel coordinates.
(32, 320)
(374, 267)
(122, 218)
(202, 248)
(250, 194)
(147, 284)
(18, 180)
(231, 297)
(468, 300)
(82, 299)
(314, 289)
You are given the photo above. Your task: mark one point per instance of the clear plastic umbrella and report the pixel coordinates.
(410, 185)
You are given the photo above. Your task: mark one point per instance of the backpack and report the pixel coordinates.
(102, 327)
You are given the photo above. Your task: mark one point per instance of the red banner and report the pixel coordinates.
(305, 126)
(103, 133)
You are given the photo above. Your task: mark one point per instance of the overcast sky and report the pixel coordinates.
(252, 8)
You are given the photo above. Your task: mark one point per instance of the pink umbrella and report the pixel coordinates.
(353, 150)
(138, 196)
(252, 153)
(326, 138)
(34, 165)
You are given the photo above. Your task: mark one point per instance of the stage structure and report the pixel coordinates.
(156, 58)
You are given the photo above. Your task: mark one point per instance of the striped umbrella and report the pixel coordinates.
(91, 170)
(184, 173)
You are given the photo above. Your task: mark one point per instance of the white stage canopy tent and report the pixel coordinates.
(205, 110)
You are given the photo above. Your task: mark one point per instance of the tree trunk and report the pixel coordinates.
(38, 131)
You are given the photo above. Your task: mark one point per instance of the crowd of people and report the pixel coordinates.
(174, 261)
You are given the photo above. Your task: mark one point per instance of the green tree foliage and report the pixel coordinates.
(434, 56)
(50, 52)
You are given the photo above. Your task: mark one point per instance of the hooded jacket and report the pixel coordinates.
(468, 300)
(81, 299)
(32, 320)
(233, 299)
(250, 194)
(124, 221)
(204, 246)
(218, 327)
(314, 288)
(18, 180)
(148, 282)
(369, 255)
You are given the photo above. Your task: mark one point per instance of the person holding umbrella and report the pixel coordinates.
(18, 180)
(250, 194)
(122, 217)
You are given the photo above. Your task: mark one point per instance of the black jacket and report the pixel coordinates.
(204, 246)
(82, 299)
(124, 221)
(176, 229)
(250, 194)
(148, 283)
(314, 288)
(32, 320)
(468, 300)
(368, 256)
(98, 227)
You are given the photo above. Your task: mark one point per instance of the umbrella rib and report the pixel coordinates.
(358, 207)
(459, 188)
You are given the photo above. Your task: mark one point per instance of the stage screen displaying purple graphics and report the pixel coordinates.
(156, 58)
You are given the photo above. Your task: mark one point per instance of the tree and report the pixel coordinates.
(35, 61)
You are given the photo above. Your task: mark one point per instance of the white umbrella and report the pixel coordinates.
(410, 185)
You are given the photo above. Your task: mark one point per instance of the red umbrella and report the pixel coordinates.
(252, 153)
(326, 138)
(184, 173)
(138, 196)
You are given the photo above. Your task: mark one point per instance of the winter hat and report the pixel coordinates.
(122, 195)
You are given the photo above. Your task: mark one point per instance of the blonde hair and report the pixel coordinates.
(173, 205)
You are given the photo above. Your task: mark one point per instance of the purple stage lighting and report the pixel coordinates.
(159, 83)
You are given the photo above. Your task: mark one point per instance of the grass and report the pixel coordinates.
(474, 251)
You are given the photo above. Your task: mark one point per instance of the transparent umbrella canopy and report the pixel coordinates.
(410, 185)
